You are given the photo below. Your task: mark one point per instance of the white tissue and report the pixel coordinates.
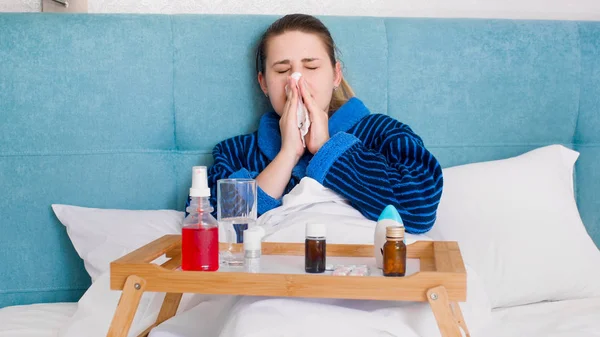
(302, 112)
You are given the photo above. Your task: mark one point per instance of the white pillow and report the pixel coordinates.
(96, 308)
(517, 224)
(101, 236)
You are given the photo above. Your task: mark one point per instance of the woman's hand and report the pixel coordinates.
(318, 133)
(291, 141)
(275, 177)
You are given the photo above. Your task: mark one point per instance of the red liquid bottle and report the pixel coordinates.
(200, 234)
(200, 248)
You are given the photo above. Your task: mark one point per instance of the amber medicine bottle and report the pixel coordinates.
(394, 252)
(315, 248)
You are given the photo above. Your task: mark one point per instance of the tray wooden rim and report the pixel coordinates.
(441, 265)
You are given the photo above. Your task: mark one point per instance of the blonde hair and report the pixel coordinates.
(340, 96)
(306, 24)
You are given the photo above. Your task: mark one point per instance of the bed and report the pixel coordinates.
(103, 117)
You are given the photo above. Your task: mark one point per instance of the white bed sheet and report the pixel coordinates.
(35, 320)
(570, 318)
(573, 318)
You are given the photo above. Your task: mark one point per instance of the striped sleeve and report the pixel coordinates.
(396, 170)
(230, 161)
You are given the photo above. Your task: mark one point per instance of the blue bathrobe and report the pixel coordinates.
(372, 160)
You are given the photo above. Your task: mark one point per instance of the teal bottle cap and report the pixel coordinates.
(390, 213)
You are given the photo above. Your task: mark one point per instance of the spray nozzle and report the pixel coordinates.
(199, 182)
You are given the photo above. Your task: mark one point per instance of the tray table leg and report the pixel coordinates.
(169, 307)
(459, 318)
(448, 315)
(128, 304)
(167, 310)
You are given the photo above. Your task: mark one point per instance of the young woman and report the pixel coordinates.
(372, 160)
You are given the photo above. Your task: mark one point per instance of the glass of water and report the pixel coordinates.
(236, 212)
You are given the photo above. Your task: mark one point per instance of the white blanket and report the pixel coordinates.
(310, 201)
(568, 318)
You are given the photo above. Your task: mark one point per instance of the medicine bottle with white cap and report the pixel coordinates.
(253, 248)
(252, 242)
(315, 248)
(200, 233)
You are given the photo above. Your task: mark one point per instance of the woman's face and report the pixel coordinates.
(305, 53)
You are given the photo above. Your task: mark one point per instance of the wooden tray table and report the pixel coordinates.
(441, 280)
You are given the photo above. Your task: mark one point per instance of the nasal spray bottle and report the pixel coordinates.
(200, 234)
(389, 217)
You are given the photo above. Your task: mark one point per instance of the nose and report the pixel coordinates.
(296, 67)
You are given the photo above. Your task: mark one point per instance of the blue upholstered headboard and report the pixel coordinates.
(112, 110)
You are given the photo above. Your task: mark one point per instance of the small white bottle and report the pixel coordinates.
(253, 248)
(252, 242)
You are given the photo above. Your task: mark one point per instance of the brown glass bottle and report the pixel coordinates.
(394, 252)
(315, 248)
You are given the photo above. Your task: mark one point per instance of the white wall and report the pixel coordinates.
(20, 5)
(519, 9)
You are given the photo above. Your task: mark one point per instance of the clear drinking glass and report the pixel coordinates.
(236, 212)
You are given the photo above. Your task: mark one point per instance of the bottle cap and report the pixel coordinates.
(253, 238)
(390, 212)
(316, 230)
(199, 182)
(395, 232)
